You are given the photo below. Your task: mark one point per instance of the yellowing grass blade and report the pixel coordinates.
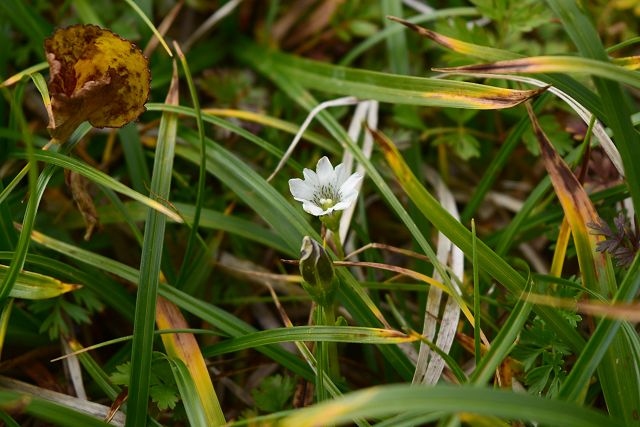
(409, 183)
(383, 87)
(560, 82)
(561, 249)
(465, 48)
(26, 72)
(578, 210)
(597, 275)
(496, 266)
(628, 62)
(553, 64)
(184, 347)
(387, 400)
(35, 286)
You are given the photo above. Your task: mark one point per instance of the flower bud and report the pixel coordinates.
(316, 269)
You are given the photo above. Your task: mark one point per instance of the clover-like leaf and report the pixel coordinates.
(95, 76)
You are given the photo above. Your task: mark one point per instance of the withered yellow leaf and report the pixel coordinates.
(95, 76)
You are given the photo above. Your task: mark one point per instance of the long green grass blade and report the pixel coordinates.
(224, 124)
(383, 87)
(95, 372)
(188, 393)
(9, 422)
(184, 347)
(396, 42)
(134, 156)
(396, 399)
(80, 133)
(351, 334)
(87, 13)
(211, 219)
(141, 13)
(98, 177)
(36, 188)
(503, 342)
(187, 262)
(150, 267)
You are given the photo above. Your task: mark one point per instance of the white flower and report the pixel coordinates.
(325, 190)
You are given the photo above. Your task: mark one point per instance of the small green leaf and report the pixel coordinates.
(164, 396)
(273, 393)
(465, 146)
(537, 378)
(122, 374)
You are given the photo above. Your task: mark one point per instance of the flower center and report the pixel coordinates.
(326, 203)
(326, 196)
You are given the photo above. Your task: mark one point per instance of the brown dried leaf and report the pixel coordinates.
(95, 76)
(78, 185)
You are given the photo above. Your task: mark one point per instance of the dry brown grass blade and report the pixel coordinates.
(162, 29)
(79, 186)
(628, 312)
(90, 408)
(445, 41)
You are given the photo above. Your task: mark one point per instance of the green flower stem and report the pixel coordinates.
(330, 314)
(335, 236)
(322, 358)
(334, 365)
(326, 352)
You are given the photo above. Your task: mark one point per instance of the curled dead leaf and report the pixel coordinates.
(79, 186)
(95, 76)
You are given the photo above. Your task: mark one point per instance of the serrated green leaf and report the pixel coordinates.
(273, 393)
(122, 374)
(164, 396)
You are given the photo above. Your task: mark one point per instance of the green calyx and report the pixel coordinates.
(332, 220)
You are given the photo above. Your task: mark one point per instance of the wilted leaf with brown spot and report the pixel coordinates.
(579, 211)
(95, 76)
(79, 186)
(470, 49)
(120, 399)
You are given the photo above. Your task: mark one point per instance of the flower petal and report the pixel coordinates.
(311, 177)
(301, 190)
(341, 174)
(324, 169)
(312, 208)
(345, 202)
(351, 185)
